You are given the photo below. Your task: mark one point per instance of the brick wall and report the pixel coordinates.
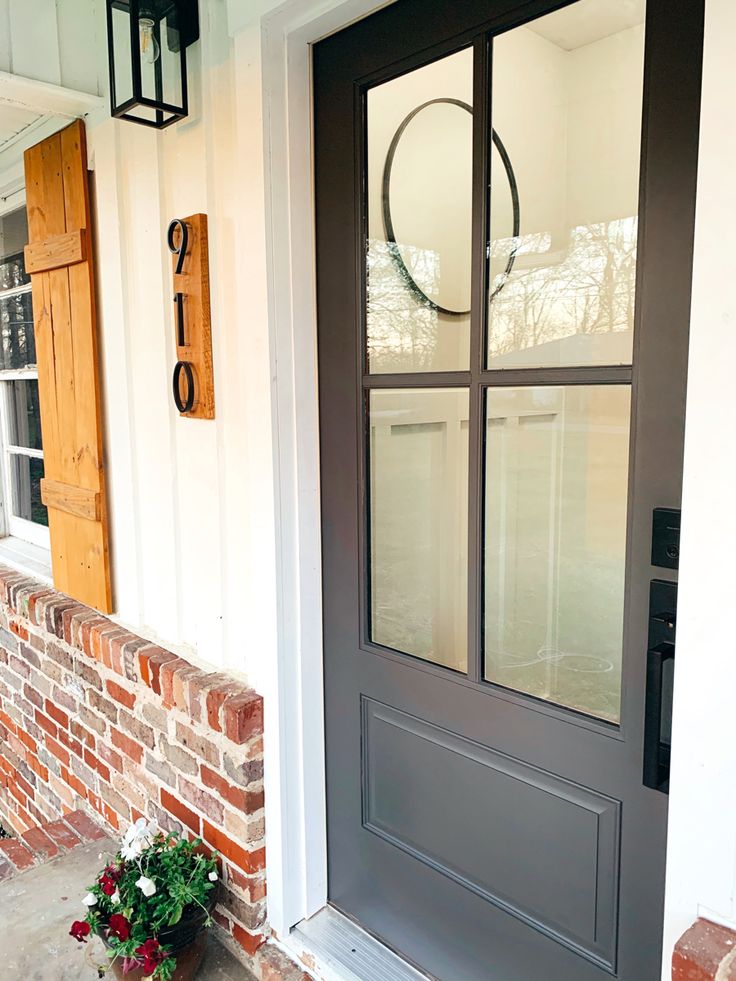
(92, 715)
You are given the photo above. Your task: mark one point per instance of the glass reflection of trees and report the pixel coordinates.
(588, 288)
(16, 316)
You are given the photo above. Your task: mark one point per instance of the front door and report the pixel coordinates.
(505, 202)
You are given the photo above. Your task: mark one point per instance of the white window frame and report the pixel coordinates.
(11, 525)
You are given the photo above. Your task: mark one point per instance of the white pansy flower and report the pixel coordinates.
(138, 838)
(90, 899)
(146, 886)
(213, 877)
(115, 898)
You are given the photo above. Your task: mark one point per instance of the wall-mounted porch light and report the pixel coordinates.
(146, 45)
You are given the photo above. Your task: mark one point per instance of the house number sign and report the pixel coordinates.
(193, 381)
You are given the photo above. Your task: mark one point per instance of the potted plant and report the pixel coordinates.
(151, 905)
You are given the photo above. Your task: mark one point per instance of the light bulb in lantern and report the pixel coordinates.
(150, 49)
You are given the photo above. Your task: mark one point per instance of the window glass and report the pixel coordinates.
(566, 106)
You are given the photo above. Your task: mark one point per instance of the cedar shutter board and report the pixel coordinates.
(61, 251)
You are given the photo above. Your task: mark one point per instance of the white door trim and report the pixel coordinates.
(294, 714)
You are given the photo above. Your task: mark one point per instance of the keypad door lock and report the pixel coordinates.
(666, 538)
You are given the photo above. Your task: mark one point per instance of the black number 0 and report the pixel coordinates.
(183, 405)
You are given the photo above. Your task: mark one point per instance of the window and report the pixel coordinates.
(24, 515)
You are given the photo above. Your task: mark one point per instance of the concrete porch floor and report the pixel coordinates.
(37, 908)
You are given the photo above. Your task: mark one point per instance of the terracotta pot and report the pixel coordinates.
(187, 942)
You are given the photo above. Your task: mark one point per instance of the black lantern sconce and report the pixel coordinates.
(147, 44)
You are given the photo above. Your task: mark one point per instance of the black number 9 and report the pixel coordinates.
(181, 249)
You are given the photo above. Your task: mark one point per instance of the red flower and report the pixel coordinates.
(114, 872)
(80, 930)
(107, 884)
(119, 927)
(150, 954)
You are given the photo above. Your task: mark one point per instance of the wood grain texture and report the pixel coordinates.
(57, 200)
(194, 283)
(57, 251)
(81, 501)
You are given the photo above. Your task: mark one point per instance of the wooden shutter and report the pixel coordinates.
(60, 260)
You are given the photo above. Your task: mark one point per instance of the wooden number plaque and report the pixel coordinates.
(193, 381)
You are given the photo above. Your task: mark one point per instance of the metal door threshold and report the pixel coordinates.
(348, 952)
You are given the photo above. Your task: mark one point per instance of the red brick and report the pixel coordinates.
(250, 942)
(114, 759)
(74, 782)
(61, 718)
(91, 760)
(83, 735)
(85, 633)
(248, 862)
(8, 722)
(214, 701)
(155, 662)
(218, 917)
(16, 851)
(120, 694)
(84, 826)
(107, 639)
(40, 844)
(28, 741)
(127, 745)
(33, 695)
(178, 810)
(167, 671)
(58, 751)
(27, 789)
(16, 792)
(242, 800)
(46, 723)
(97, 632)
(703, 953)
(144, 656)
(19, 630)
(253, 886)
(62, 835)
(73, 745)
(38, 768)
(33, 600)
(243, 716)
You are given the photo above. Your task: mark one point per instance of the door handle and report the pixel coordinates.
(656, 767)
(661, 649)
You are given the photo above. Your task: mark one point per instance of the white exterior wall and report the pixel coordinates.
(191, 500)
(196, 542)
(701, 862)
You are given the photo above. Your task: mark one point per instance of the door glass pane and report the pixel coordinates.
(24, 417)
(419, 148)
(26, 474)
(419, 523)
(566, 106)
(555, 542)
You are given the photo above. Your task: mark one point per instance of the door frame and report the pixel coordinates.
(294, 724)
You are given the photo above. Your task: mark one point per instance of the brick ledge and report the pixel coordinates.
(210, 698)
(705, 952)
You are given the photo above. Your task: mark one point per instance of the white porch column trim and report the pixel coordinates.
(294, 701)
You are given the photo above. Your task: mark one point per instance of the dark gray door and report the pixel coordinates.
(505, 200)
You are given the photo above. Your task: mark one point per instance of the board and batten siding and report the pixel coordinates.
(191, 500)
